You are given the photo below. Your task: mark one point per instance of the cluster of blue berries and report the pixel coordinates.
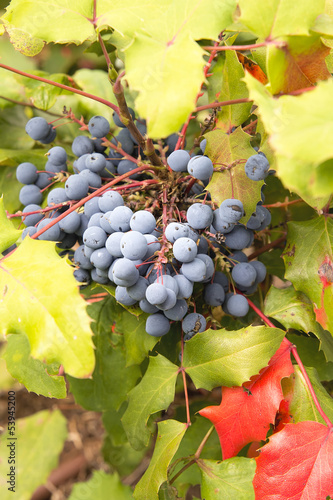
(114, 245)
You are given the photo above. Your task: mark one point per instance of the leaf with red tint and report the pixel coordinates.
(299, 64)
(284, 416)
(308, 258)
(246, 412)
(296, 464)
(252, 68)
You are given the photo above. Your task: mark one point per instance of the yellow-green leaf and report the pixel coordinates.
(300, 128)
(40, 297)
(224, 150)
(9, 234)
(39, 441)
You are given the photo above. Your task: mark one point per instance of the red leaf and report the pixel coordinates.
(246, 412)
(252, 68)
(296, 464)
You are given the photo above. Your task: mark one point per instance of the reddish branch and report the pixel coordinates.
(293, 349)
(308, 383)
(267, 247)
(238, 47)
(280, 204)
(61, 86)
(220, 104)
(126, 117)
(87, 198)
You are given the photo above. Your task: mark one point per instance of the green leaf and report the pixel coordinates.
(225, 149)
(40, 440)
(31, 24)
(164, 59)
(302, 407)
(189, 445)
(32, 373)
(323, 25)
(233, 88)
(102, 486)
(221, 357)
(308, 350)
(94, 82)
(294, 309)
(137, 341)
(40, 298)
(295, 125)
(9, 234)
(42, 95)
(12, 158)
(111, 380)
(279, 18)
(216, 79)
(227, 480)
(273, 262)
(299, 64)
(308, 258)
(155, 392)
(113, 426)
(169, 436)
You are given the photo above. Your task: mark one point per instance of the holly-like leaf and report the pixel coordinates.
(295, 126)
(297, 463)
(169, 436)
(31, 24)
(246, 412)
(233, 88)
(9, 233)
(42, 95)
(32, 373)
(39, 297)
(155, 392)
(311, 356)
(308, 258)
(111, 380)
(301, 406)
(40, 440)
(221, 357)
(162, 57)
(225, 149)
(227, 480)
(137, 342)
(294, 309)
(278, 18)
(299, 64)
(165, 60)
(102, 486)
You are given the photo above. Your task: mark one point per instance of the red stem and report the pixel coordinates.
(257, 310)
(312, 392)
(87, 198)
(279, 204)
(61, 86)
(182, 369)
(220, 104)
(240, 47)
(300, 364)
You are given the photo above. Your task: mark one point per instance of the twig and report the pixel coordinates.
(125, 116)
(220, 104)
(267, 247)
(257, 310)
(242, 47)
(280, 204)
(61, 86)
(308, 383)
